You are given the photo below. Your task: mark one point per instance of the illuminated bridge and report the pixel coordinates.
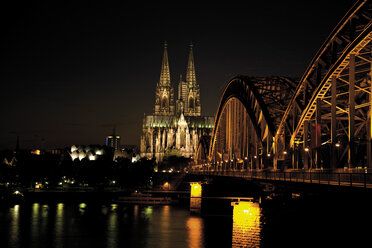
(317, 128)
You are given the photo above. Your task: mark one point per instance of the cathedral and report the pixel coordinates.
(175, 127)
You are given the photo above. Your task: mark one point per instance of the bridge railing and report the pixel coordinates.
(340, 178)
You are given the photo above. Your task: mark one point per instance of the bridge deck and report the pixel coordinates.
(350, 179)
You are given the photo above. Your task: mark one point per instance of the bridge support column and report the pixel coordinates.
(275, 156)
(318, 133)
(351, 151)
(333, 124)
(294, 157)
(295, 151)
(306, 148)
(369, 124)
(195, 197)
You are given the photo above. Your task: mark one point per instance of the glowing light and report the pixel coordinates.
(166, 185)
(195, 231)
(196, 189)
(307, 149)
(195, 197)
(255, 156)
(38, 186)
(73, 148)
(81, 156)
(338, 144)
(92, 157)
(285, 152)
(269, 155)
(36, 152)
(17, 192)
(246, 224)
(148, 211)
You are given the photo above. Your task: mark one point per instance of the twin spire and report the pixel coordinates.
(188, 101)
(190, 73)
(165, 74)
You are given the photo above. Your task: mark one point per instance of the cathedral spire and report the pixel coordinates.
(164, 72)
(190, 73)
(164, 96)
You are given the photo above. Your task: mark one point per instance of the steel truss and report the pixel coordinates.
(321, 121)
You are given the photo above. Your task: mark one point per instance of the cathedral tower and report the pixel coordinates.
(164, 96)
(192, 103)
(169, 131)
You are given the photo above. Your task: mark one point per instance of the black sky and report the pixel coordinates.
(73, 71)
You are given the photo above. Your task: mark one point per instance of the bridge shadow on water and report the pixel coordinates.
(284, 216)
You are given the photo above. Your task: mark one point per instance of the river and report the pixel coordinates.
(94, 224)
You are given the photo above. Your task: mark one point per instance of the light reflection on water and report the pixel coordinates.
(271, 224)
(14, 227)
(58, 231)
(195, 230)
(112, 231)
(246, 224)
(93, 225)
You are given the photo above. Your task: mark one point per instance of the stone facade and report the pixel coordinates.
(175, 129)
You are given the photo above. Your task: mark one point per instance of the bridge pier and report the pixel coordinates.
(195, 197)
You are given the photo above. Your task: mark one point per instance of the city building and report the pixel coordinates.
(127, 151)
(175, 127)
(113, 140)
(91, 152)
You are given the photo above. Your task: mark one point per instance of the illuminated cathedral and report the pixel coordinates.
(175, 127)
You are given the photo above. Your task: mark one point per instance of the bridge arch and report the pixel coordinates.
(335, 94)
(248, 115)
(323, 120)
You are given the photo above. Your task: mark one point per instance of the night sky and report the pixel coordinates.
(70, 72)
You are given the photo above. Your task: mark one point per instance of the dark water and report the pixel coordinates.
(56, 225)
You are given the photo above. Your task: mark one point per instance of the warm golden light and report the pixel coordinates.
(82, 156)
(38, 186)
(307, 149)
(195, 231)
(246, 224)
(36, 152)
(166, 185)
(195, 197)
(196, 189)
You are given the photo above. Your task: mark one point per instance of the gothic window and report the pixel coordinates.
(164, 102)
(183, 139)
(191, 103)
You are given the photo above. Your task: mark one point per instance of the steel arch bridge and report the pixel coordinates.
(322, 120)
